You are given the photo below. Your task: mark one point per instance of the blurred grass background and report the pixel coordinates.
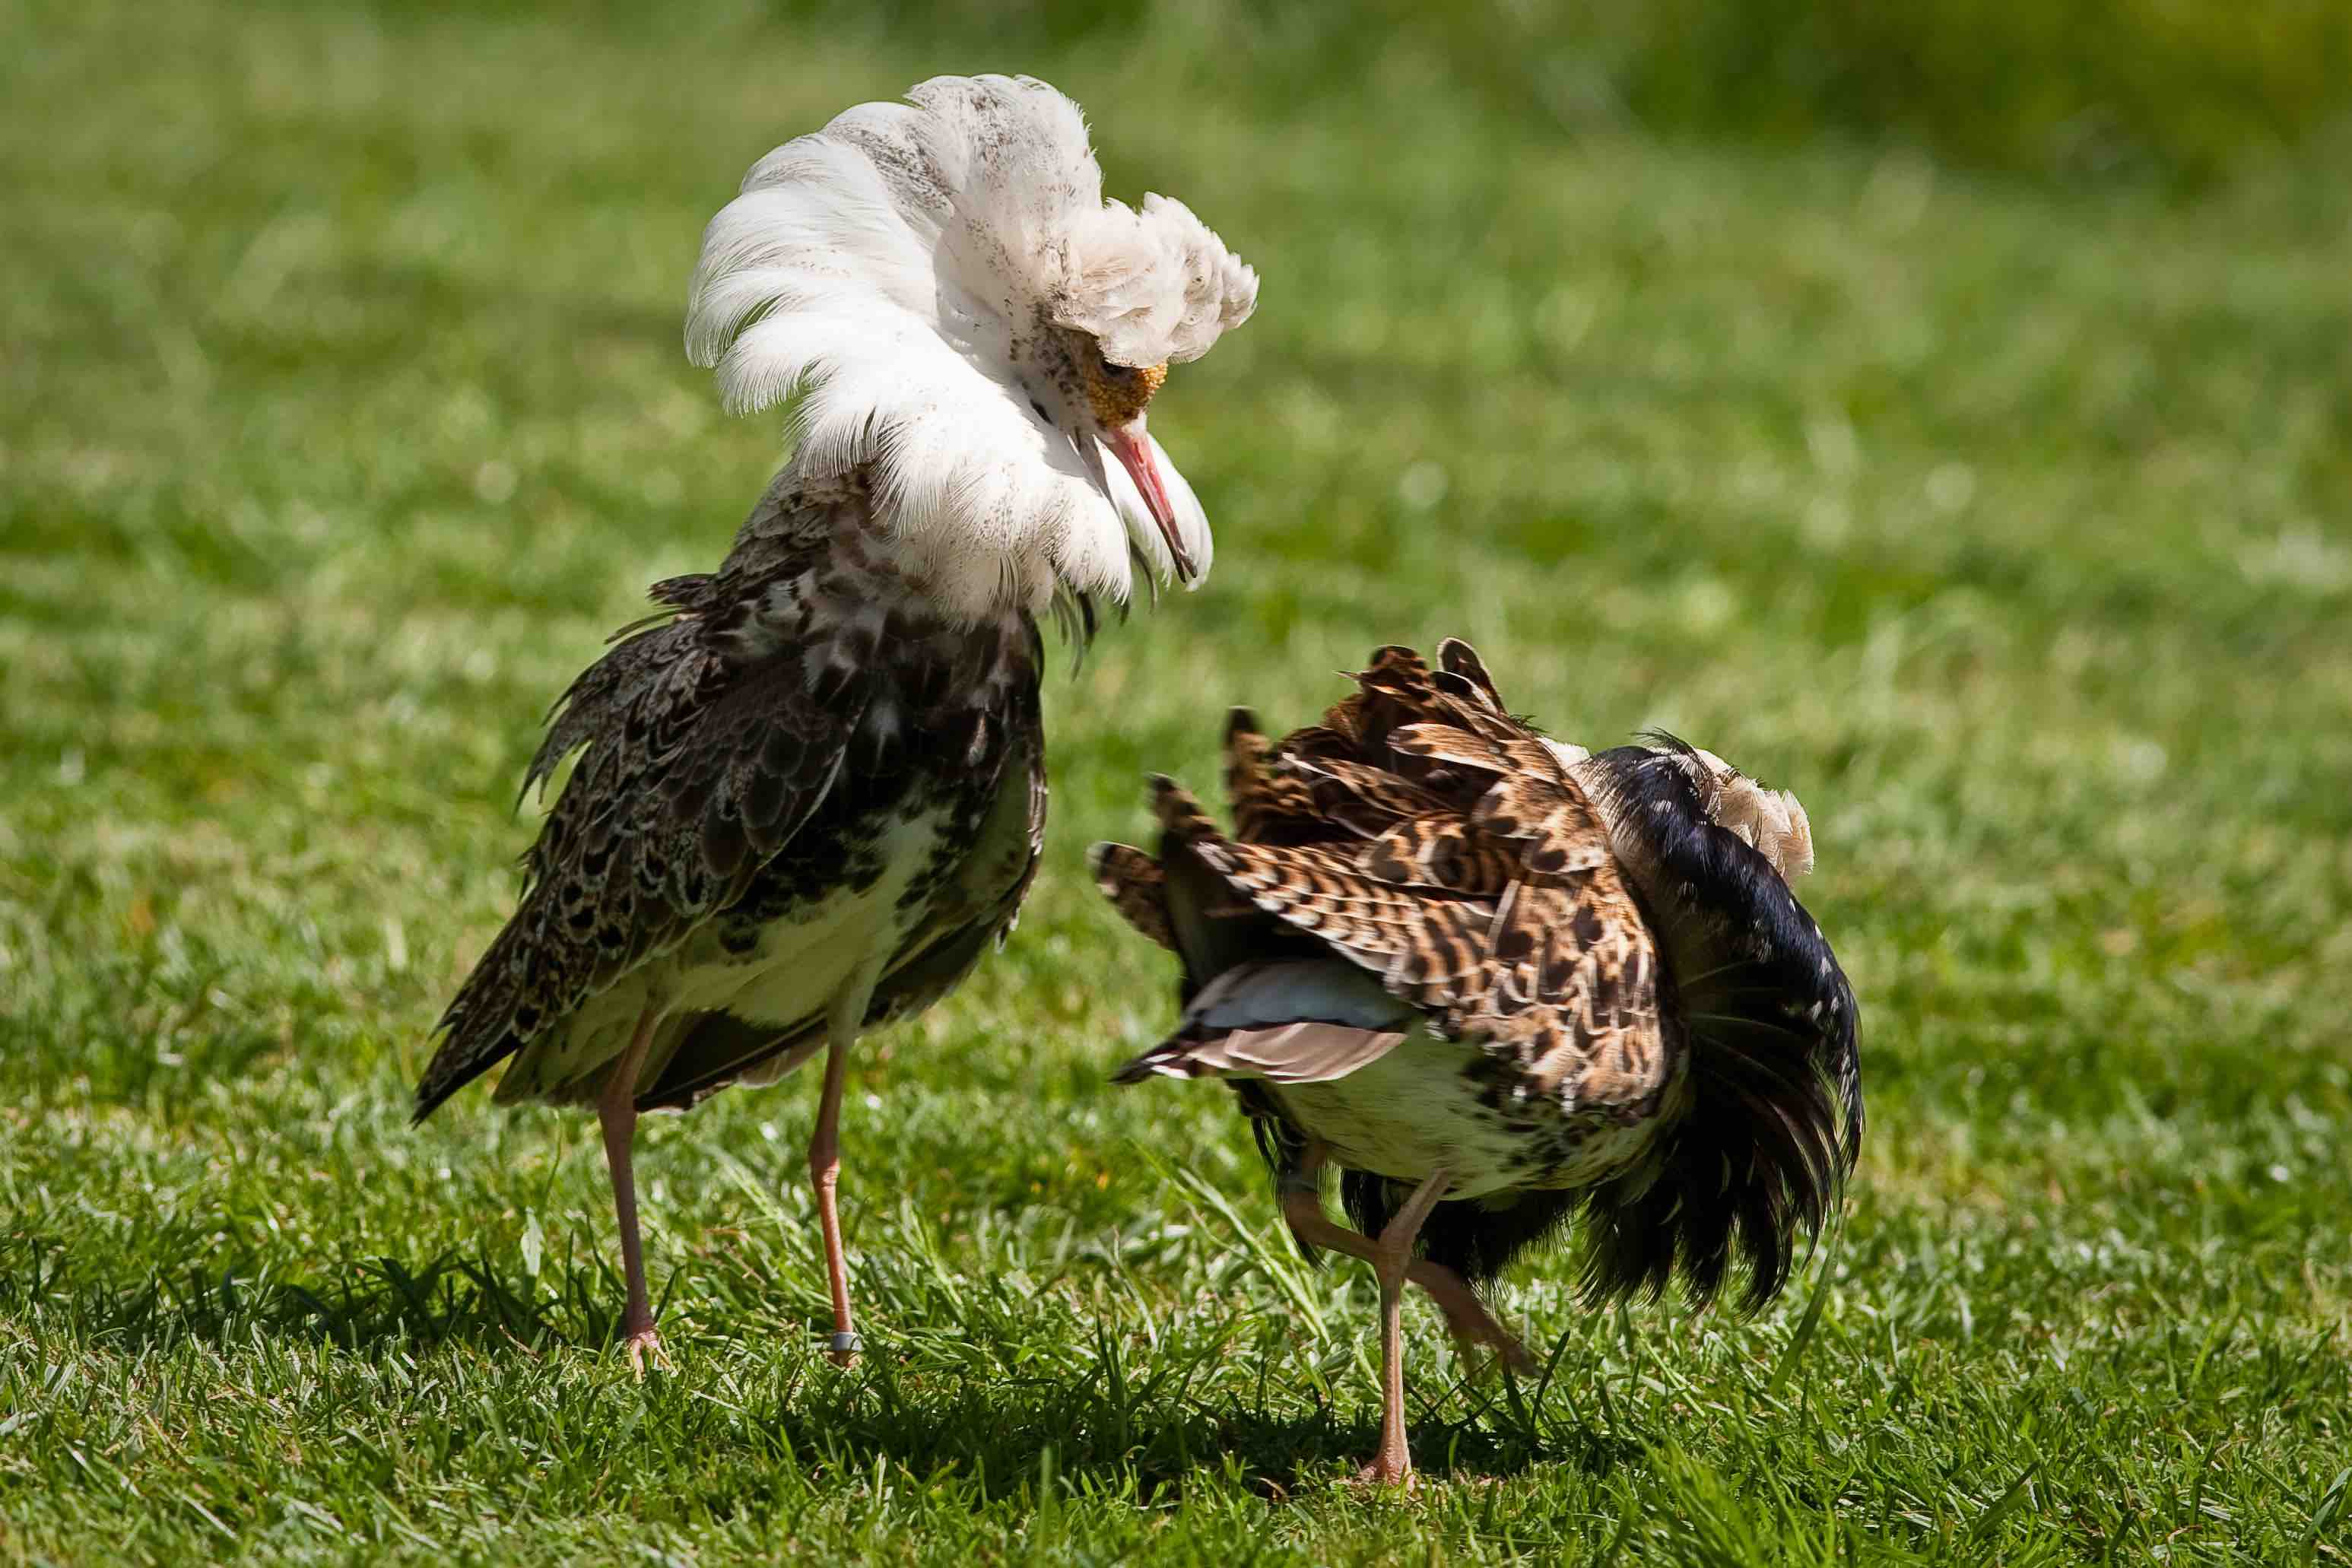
(1941, 410)
(2182, 92)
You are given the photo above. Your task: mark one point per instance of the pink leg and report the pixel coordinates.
(1467, 1317)
(825, 1173)
(616, 1110)
(1392, 1255)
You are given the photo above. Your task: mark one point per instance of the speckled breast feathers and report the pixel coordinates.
(741, 759)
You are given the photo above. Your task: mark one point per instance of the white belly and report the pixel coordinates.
(1416, 1110)
(830, 950)
(824, 950)
(1410, 1112)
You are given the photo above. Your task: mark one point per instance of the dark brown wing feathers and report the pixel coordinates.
(700, 756)
(1423, 833)
(1136, 888)
(1270, 804)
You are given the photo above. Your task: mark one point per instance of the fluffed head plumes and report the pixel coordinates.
(944, 291)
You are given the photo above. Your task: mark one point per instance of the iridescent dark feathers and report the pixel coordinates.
(1776, 1115)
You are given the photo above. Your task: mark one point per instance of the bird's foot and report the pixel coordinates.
(1488, 1347)
(641, 1342)
(1476, 1331)
(843, 1348)
(1385, 1472)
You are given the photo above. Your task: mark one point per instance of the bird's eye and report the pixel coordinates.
(1118, 391)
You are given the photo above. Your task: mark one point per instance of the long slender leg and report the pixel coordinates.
(825, 1173)
(1392, 1254)
(1467, 1317)
(616, 1112)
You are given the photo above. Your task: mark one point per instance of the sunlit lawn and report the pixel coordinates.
(342, 412)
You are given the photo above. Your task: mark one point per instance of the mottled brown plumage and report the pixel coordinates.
(740, 761)
(1460, 862)
(1498, 982)
(1134, 883)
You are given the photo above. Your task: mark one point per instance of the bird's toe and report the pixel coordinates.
(641, 1343)
(1384, 1474)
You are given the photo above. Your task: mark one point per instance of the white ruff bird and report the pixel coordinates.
(812, 793)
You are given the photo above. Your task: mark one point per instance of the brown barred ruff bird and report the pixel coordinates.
(812, 789)
(1503, 983)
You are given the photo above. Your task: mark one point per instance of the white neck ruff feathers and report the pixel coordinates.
(891, 274)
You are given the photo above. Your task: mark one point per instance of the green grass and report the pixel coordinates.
(343, 413)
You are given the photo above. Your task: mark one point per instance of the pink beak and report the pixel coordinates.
(1133, 449)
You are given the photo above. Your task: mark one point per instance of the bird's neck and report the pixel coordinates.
(971, 580)
(819, 570)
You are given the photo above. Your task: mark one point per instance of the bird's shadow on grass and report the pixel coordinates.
(1094, 1416)
(1086, 1422)
(211, 1300)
